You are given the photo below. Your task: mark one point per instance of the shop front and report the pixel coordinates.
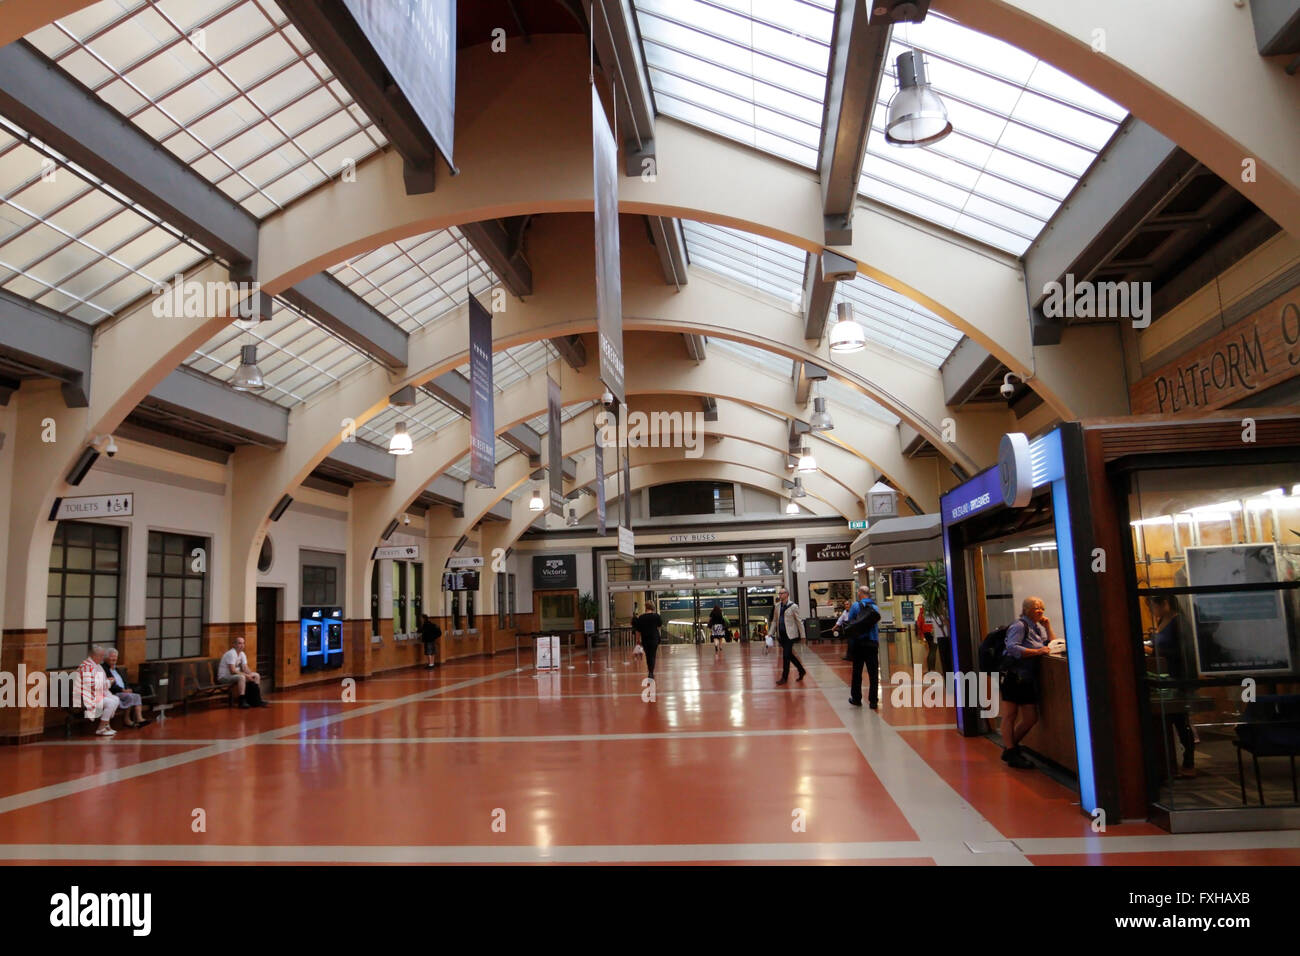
(890, 558)
(1201, 611)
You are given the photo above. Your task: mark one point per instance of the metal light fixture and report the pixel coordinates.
(535, 503)
(248, 377)
(797, 491)
(791, 508)
(572, 520)
(821, 419)
(807, 462)
(917, 114)
(846, 334)
(400, 443)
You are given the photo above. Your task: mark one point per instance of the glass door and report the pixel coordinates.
(759, 604)
(728, 599)
(677, 607)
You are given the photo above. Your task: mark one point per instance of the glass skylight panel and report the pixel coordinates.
(761, 263)
(1023, 135)
(229, 86)
(72, 244)
(895, 322)
(417, 280)
(297, 357)
(751, 70)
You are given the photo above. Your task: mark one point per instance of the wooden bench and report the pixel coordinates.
(199, 682)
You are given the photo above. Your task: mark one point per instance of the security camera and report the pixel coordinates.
(1008, 390)
(406, 519)
(607, 399)
(110, 447)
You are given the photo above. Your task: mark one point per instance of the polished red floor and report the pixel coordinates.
(477, 763)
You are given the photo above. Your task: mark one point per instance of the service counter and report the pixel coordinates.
(1053, 736)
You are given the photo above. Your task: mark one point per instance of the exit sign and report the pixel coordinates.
(858, 525)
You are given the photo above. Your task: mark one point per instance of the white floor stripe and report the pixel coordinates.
(932, 808)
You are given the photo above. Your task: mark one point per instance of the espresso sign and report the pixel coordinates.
(831, 551)
(1255, 353)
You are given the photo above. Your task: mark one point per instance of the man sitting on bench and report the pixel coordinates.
(234, 670)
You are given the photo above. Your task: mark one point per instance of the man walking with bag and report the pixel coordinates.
(788, 628)
(862, 628)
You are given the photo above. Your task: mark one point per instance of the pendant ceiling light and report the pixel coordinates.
(572, 520)
(917, 115)
(791, 508)
(807, 462)
(248, 377)
(821, 419)
(400, 443)
(535, 502)
(846, 334)
(797, 491)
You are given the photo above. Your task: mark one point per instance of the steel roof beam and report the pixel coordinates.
(41, 97)
(859, 43)
(336, 307)
(213, 402)
(670, 245)
(500, 243)
(42, 339)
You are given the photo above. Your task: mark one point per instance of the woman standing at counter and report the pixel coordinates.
(1027, 640)
(1167, 646)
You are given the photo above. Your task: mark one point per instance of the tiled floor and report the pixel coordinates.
(478, 763)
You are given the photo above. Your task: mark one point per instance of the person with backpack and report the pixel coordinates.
(1026, 641)
(429, 634)
(862, 628)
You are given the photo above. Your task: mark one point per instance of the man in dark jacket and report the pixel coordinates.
(429, 634)
(863, 630)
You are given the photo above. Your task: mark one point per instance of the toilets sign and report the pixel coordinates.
(93, 506)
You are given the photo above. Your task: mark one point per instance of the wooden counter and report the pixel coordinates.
(1053, 735)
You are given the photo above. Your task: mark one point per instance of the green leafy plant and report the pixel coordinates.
(933, 588)
(587, 606)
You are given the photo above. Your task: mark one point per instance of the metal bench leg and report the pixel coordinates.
(1258, 782)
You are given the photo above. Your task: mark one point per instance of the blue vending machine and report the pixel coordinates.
(333, 636)
(312, 628)
(321, 636)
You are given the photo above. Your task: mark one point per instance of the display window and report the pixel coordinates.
(1216, 561)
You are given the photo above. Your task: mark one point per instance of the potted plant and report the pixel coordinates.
(932, 586)
(587, 610)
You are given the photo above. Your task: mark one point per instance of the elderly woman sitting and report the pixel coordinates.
(127, 700)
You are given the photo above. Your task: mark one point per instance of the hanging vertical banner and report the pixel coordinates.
(555, 453)
(609, 281)
(482, 413)
(625, 509)
(600, 482)
(416, 40)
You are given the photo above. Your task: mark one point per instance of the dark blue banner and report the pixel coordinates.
(482, 411)
(609, 279)
(600, 482)
(555, 453)
(416, 40)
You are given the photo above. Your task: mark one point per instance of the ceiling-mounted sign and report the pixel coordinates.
(609, 279)
(626, 543)
(416, 40)
(555, 571)
(482, 414)
(600, 484)
(400, 552)
(554, 447)
(93, 506)
(471, 562)
(1015, 470)
(1261, 350)
(859, 525)
(829, 551)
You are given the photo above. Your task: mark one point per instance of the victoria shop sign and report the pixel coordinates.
(1257, 352)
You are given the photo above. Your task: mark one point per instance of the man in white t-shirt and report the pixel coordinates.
(233, 669)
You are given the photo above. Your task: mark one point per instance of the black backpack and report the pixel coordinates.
(861, 626)
(992, 648)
